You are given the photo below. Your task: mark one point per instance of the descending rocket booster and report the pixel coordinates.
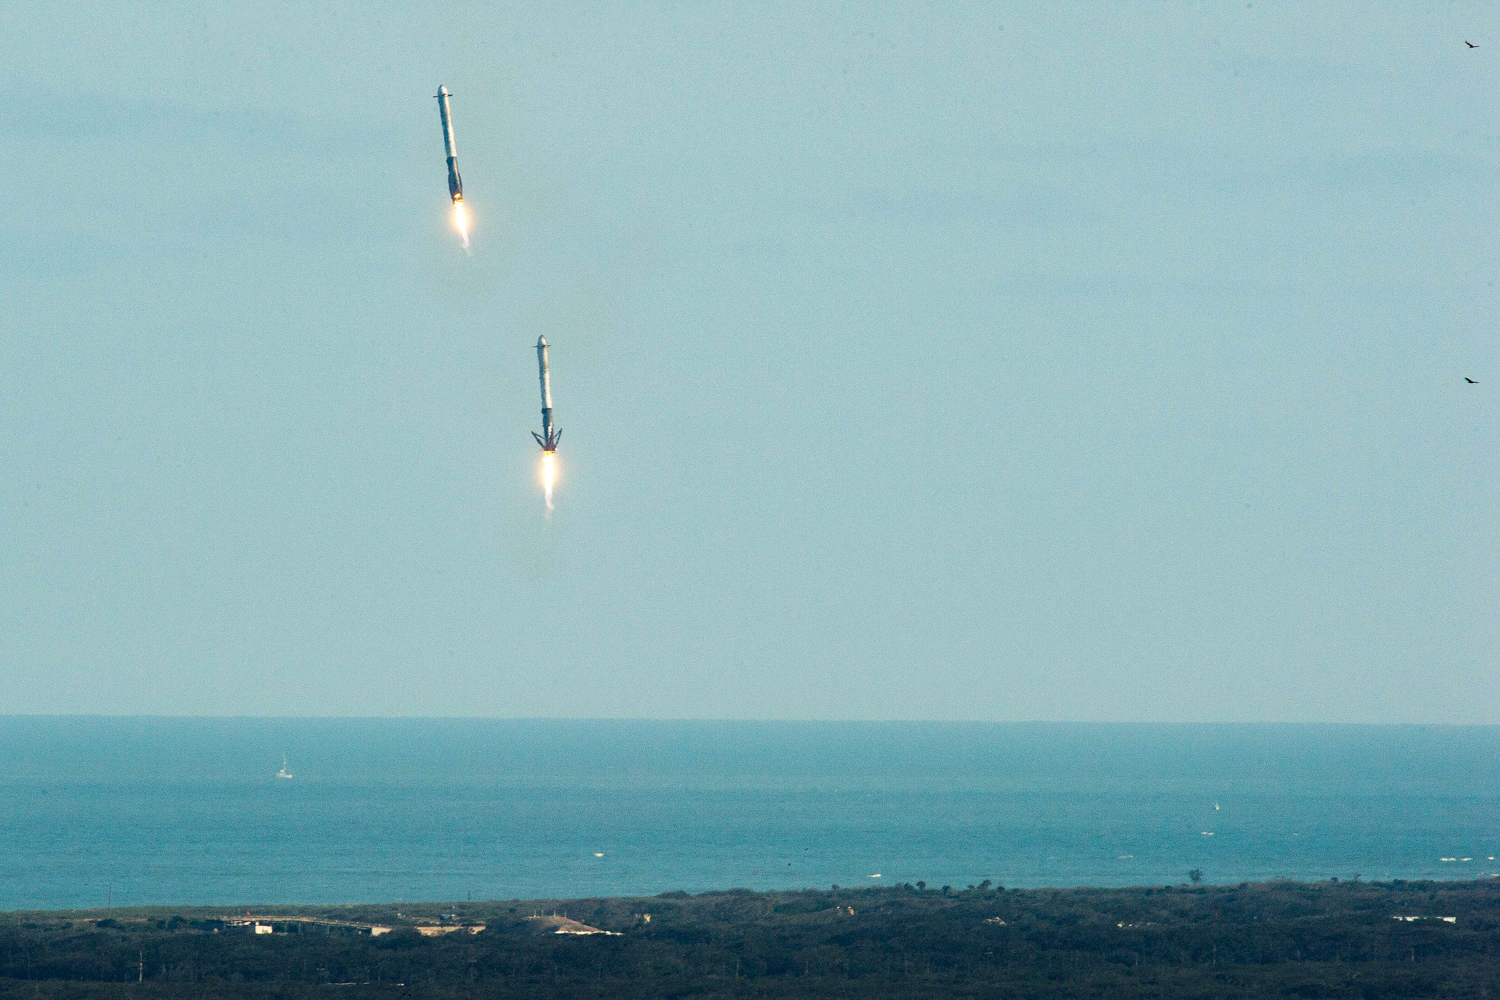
(455, 182)
(550, 435)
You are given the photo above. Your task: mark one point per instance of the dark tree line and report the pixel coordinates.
(1277, 938)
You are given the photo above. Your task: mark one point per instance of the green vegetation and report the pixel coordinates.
(1330, 939)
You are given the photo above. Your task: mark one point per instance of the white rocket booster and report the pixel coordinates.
(550, 435)
(455, 182)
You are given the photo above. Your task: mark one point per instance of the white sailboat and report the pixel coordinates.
(283, 773)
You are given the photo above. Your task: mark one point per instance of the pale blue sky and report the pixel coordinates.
(913, 362)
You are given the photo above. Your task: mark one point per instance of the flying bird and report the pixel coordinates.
(1470, 44)
(1470, 381)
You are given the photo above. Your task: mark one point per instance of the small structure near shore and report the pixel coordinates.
(1410, 918)
(564, 925)
(267, 925)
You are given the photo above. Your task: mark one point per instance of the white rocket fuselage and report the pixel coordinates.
(544, 374)
(455, 182)
(549, 437)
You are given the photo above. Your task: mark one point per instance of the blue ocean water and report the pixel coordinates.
(189, 811)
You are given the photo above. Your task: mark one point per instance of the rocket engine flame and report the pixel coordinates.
(461, 220)
(549, 474)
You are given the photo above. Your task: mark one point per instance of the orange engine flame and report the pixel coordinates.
(549, 474)
(461, 220)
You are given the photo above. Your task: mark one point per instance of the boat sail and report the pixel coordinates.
(283, 773)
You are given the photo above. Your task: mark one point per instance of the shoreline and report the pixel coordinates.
(419, 909)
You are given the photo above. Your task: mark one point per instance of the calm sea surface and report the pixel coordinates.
(189, 811)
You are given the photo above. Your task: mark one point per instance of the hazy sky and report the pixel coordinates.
(918, 362)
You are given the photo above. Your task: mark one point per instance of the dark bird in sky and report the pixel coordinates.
(1470, 44)
(1470, 381)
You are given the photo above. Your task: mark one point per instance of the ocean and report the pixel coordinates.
(173, 811)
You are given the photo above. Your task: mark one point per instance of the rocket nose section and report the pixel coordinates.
(541, 341)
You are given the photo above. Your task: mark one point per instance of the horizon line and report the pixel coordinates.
(745, 721)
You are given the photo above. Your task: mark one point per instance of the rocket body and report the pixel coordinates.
(455, 182)
(550, 435)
